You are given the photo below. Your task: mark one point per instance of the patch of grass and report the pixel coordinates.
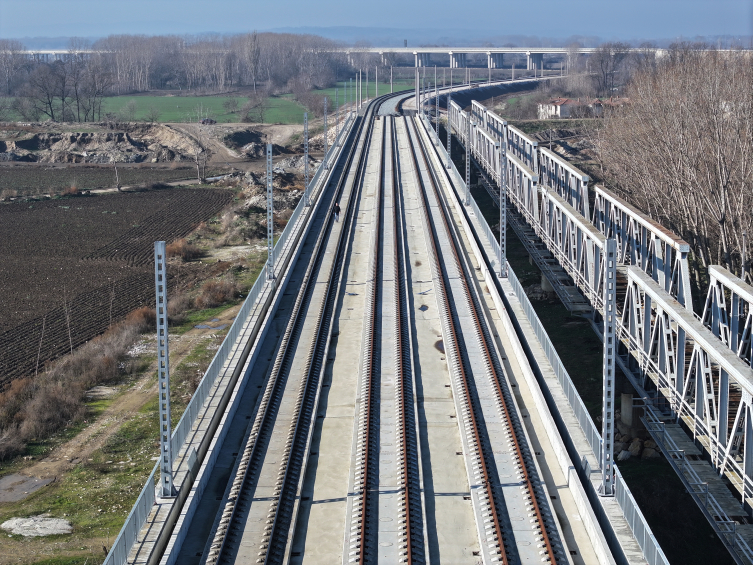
(280, 109)
(68, 561)
(399, 84)
(194, 317)
(95, 496)
(174, 108)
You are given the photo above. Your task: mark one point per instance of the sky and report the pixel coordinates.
(607, 19)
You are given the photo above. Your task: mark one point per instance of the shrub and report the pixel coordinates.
(186, 251)
(176, 308)
(54, 406)
(11, 443)
(142, 319)
(215, 292)
(37, 407)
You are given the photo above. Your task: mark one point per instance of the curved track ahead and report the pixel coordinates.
(395, 214)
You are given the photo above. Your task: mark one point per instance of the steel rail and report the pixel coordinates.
(263, 423)
(502, 395)
(368, 451)
(455, 348)
(367, 454)
(403, 380)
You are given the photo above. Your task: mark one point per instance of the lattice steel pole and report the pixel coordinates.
(423, 91)
(436, 107)
(436, 102)
(610, 351)
(449, 130)
(468, 163)
(163, 371)
(502, 151)
(326, 144)
(270, 218)
(306, 194)
(418, 97)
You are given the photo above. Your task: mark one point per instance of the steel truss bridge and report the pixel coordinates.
(693, 373)
(387, 393)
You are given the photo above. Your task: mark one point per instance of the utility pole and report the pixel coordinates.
(326, 141)
(436, 102)
(610, 352)
(418, 94)
(468, 162)
(270, 219)
(350, 96)
(306, 195)
(392, 90)
(449, 129)
(502, 151)
(163, 372)
(513, 72)
(337, 115)
(423, 90)
(376, 81)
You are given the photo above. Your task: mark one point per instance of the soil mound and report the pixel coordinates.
(106, 143)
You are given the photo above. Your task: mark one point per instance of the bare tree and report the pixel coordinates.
(231, 105)
(41, 93)
(682, 150)
(605, 63)
(128, 112)
(12, 61)
(153, 114)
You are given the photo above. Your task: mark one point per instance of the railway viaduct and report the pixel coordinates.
(387, 393)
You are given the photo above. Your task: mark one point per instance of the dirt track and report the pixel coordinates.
(127, 404)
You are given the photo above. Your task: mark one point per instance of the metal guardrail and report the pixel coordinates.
(637, 522)
(576, 402)
(646, 540)
(122, 545)
(128, 534)
(723, 524)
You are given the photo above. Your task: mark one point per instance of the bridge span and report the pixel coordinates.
(386, 394)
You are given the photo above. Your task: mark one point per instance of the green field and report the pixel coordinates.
(282, 109)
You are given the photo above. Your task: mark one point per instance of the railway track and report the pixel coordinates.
(386, 478)
(256, 521)
(504, 479)
(385, 509)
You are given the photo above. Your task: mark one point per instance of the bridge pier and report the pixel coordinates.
(422, 59)
(494, 60)
(457, 60)
(534, 61)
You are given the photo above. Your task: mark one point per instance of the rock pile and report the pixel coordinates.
(629, 442)
(36, 526)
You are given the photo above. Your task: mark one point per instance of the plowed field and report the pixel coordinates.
(82, 255)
